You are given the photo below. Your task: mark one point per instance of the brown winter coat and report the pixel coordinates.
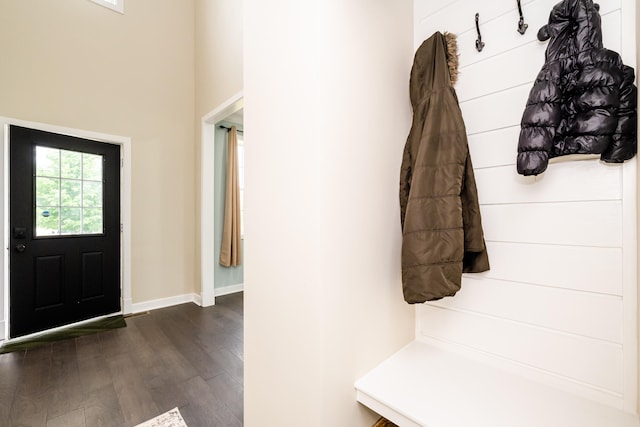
(440, 215)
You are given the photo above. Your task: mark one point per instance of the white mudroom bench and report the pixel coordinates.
(428, 386)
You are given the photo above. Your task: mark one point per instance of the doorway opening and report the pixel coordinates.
(229, 113)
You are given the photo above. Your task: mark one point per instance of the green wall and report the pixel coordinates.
(223, 276)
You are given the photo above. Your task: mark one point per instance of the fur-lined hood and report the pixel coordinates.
(435, 65)
(452, 56)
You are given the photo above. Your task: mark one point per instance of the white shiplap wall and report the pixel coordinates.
(559, 303)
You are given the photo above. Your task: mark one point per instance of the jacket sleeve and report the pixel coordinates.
(625, 143)
(405, 182)
(475, 258)
(540, 119)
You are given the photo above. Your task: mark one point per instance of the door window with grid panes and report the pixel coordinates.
(69, 193)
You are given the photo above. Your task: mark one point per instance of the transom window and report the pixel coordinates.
(117, 5)
(68, 192)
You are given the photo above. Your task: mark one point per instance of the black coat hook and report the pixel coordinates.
(479, 42)
(522, 27)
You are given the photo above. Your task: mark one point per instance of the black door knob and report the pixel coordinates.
(20, 247)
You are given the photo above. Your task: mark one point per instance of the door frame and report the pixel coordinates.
(125, 208)
(207, 145)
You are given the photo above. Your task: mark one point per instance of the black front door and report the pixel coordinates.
(64, 218)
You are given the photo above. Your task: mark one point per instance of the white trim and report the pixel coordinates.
(155, 304)
(125, 219)
(230, 106)
(4, 260)
(630, 283)
(384, 410)
(118, 6)
(226, 290)
(630, 238)
(125, 204)
(197, 299)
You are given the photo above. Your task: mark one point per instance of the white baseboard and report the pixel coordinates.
(197, 299)
(165, 302)
(139, 307)
(127, 306)
(226, 290)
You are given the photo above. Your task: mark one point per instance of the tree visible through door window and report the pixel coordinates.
(68, 192)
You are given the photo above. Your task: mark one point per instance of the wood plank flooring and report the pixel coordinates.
(184, 356)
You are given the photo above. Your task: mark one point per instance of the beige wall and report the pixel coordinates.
(76, 64)
(218, 41)
(218, 72)
(326, 116)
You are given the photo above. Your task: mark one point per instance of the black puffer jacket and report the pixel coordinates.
(583, 100)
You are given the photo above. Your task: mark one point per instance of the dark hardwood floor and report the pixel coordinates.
(183, 356)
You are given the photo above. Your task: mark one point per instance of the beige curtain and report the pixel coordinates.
(230, 250)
